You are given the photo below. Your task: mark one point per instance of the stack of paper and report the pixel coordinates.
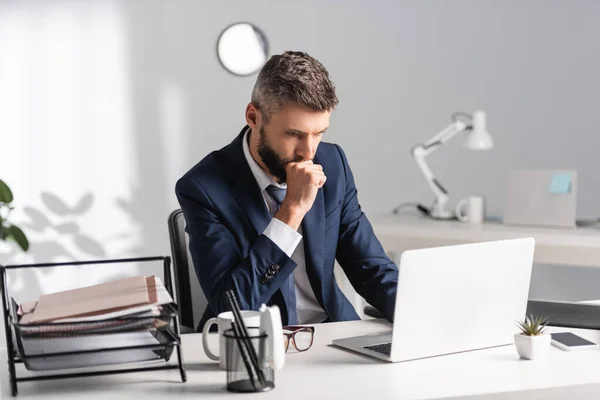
(137, 296)
(118, 313)
(125, 296)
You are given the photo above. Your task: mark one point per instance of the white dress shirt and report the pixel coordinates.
(308, 309)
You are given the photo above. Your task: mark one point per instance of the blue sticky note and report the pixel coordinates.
(560, 184)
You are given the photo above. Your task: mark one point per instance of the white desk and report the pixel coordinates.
(326, 372)
(397, 233)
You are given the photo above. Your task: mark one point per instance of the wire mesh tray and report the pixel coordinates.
(96, 350)
(52, 346)
(145, 341)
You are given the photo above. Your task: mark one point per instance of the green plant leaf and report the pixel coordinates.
(6, 195)
(19, 237)
(532, 326)
(4, 232)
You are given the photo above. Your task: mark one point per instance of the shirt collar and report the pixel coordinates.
(262, 179)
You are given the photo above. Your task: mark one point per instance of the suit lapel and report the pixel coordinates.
(313, 232)
(243, 184)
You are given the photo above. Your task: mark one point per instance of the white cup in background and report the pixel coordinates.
(471, 209)
(223, 321)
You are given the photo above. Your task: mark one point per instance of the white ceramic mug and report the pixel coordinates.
(471, 209)
(223, 321)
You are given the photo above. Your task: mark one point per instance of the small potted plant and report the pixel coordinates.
(532, 342)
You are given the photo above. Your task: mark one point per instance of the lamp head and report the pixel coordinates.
(479, 138)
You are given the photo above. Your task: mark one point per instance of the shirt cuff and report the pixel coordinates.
(283, 236)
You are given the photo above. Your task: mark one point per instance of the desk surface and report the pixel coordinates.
(326, 372)
(408, 230)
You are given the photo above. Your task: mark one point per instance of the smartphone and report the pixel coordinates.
(569, 341)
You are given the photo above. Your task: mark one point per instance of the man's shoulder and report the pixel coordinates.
(327, 148)
(331, 155)
(328, 152)
(209, 173)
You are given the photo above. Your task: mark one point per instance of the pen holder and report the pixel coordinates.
(242, 374)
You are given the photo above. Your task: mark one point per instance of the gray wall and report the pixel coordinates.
(401, 68)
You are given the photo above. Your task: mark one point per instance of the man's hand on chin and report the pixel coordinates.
(303, 182)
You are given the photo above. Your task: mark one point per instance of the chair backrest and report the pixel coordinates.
(190, 297)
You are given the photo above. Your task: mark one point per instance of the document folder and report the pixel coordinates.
(109, 296)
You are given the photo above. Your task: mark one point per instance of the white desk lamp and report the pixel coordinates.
(478, 138)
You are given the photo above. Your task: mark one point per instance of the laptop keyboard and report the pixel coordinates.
(384, 348)
(572, 315)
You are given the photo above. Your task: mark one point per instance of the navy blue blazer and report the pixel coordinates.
(226, 214)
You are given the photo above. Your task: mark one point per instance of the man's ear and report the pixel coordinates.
(252, 116)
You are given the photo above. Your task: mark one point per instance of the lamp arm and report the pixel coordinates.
(420, 152)
(444, 136)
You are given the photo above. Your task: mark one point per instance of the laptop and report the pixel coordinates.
(541, 197)
(453, 299)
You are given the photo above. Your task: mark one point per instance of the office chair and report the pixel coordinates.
(189, 295)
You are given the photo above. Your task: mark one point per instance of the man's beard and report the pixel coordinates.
(272, 160)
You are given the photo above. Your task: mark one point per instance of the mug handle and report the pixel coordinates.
(459, 215)
(205, 331)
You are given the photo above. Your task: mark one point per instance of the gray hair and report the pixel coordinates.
(293, 78)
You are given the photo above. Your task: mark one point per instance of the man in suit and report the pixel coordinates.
(268, 214)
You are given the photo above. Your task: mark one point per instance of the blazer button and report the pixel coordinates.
(276, 267)
(264, 280)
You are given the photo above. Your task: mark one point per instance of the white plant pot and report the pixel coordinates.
(533, 347)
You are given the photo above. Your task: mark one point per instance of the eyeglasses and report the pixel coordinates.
(300, 336)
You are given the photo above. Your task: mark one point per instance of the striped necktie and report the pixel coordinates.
(278, 194)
